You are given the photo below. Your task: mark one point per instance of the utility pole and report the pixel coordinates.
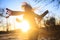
(7, 23)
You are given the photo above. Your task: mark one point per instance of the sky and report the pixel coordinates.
(53, 6)
(41, 5)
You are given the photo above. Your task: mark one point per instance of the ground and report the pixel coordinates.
(43, 35)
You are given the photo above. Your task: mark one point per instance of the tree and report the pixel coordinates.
(50, 23)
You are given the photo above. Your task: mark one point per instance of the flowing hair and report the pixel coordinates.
(26, 5)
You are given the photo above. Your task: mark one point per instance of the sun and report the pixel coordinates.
(23, 25)
(19, 23)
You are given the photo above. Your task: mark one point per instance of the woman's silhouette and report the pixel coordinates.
(29, 15)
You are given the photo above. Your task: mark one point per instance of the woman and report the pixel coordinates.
(30, 16)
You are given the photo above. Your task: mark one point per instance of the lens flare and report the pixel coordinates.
(24, 26)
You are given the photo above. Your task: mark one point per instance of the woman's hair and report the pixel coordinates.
(26, 5)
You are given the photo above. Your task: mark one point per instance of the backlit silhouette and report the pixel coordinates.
(30, 16)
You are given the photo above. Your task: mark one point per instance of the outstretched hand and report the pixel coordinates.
(9, 12)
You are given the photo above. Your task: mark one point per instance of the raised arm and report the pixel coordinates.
(13, 13)
(46, 12)
(16, 13)
(40, 17)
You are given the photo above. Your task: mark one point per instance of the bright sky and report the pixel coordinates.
(52, 5)
(41, 5)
